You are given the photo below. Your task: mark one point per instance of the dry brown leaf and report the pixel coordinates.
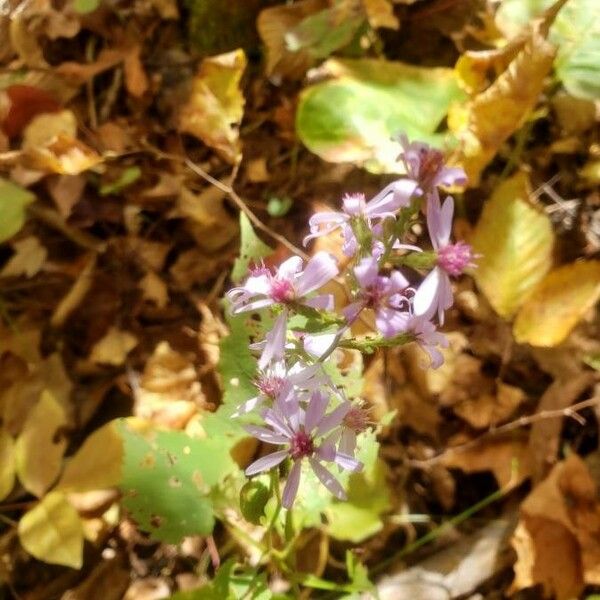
(107, 581)
(212, 331)
(40, 446)
(544, 437)
(154, 289)
(380, 13)
(7, 463)
(168, 392)
(80, 73)
(66, 191)
(507, 459)
(273, 23)
(558, 541)
(114, 347)
(28, 259)
(76, 294)
(491, 408)
(256, 170)
(136, 80)
(152, 255)
(495, 114)
(210, 224)
(215, 107)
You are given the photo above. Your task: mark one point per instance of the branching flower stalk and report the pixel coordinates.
(402, 288)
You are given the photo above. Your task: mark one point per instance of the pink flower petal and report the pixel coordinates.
(291, 485)
(266, 462)
(426, 298)
(328, 480)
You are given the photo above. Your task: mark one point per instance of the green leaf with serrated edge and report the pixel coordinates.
(13, 202)
(575, 31)
(167, 480)
(515, 241)
(237, 365)
(353, 116)
(252, 249)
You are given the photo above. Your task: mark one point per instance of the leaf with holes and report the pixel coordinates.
(558, 303)
(514, 239)
(168, 477)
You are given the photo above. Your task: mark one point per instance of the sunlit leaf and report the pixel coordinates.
(113, 348)
(515, 242)
(63, 155)
(575, 31)
(40, 446)
(496, 113)
(558, 303)
(97, 464)
(167, 479)
(380, 13)
(352, 116)
(52, 531)
(7, 463)
(215, 107)
(126, 178)
(13, 201)
(252, 248)
(28, 259)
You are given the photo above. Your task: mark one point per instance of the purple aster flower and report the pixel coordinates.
(428, 338)
(305, 434)
(382, 206)
(381, 294)
(434, 295)
(276, 381)
(355, 421)
(426, 166)
(290, 284)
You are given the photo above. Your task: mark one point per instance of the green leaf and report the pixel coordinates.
(352, 117)
(252, 248)
(85, 6)
(237, 366)
(13, 201)
(515, 240)
(576, 32)
(126, 178)
(167, 480)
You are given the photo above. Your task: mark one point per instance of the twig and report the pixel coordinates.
(570, 411)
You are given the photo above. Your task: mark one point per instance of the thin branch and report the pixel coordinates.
(570, 411)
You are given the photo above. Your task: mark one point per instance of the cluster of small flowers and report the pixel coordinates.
(300, 408)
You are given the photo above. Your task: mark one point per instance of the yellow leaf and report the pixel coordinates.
(52, 531)
(64, 155)
(114, 347)
(495, 114)
(515, 242)
(7, 463)
(39, 450)
(215, 107)
(558, 303)
(42, 129)
(28, 259)
(97, 464)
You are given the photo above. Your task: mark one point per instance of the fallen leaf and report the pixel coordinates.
(487, 121)
(558, 303)
(114, 347)
(491, 409)
(97, 464)
(76, 294)
(52, 531)
(28, 259)
(380, 13)
(13, 202)
(168, 392)
(154, 289)
(557, 542)
(544, 438)
(43, 128)
(108, 580)
(353, 116)
(508, 460)
(7, 463)
(40, 446)
(208, 220)
(515, 241)
(66, 191)
(136, 80)
(21, 103)
(215, 107)
(64, 155)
